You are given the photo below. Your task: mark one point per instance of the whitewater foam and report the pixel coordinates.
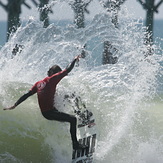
(121, 96)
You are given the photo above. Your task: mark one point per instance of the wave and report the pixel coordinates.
(126, 98)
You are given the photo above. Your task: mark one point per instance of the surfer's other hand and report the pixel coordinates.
(10, 108)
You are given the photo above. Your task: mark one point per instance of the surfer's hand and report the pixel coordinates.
(10, 108)
(77, 58)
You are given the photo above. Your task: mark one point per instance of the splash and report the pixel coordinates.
(121, 96)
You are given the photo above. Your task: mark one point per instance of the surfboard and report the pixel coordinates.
(86, 128)
(85, 155)
(86, 138)
(86, 125)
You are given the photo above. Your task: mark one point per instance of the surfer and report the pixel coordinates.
(45, 90)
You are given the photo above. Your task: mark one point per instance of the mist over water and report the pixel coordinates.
(126, 98)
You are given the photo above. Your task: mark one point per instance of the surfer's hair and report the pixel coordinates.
(53, 70)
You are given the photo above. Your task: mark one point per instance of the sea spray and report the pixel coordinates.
(121, 96)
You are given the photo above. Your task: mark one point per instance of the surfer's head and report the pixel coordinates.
(53, 70)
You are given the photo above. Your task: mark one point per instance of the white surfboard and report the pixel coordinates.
(86, 128)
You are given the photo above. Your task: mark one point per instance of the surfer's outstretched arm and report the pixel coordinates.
(71, 65)
(20, 100)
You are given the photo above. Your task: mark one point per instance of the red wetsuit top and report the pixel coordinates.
(46, 89)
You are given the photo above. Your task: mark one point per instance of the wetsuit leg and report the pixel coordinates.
(63, 117)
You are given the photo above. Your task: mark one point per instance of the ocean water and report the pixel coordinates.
(126, 98)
